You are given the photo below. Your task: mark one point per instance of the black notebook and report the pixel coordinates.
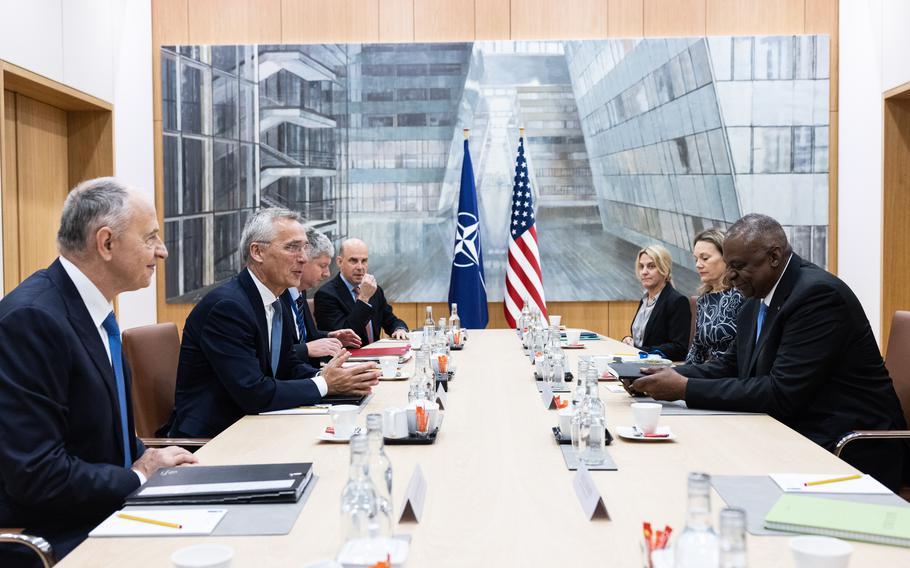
(192, 485)
(334, 399)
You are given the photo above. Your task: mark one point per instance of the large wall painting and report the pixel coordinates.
(629, 142)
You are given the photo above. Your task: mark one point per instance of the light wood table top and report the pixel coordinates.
(499, 493)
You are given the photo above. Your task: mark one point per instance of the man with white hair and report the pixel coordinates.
(314, 343)
(69, 454)
(237, 354)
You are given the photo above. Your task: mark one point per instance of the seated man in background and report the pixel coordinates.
(804, 353)
(313, 343)
(353, 299)
(69, 454)
(237, 354)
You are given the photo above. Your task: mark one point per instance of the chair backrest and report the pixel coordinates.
(692, 306)
(311, 304)
(898, 361)
(152, 352)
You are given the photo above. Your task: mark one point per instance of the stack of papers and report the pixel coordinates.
(160, 522)
(796, 483)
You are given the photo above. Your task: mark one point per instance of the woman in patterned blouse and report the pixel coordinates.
(718, 302)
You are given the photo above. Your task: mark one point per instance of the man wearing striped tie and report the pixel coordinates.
(69, 454)
(354, 300)
(313, 343)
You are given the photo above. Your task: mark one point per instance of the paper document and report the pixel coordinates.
(192, 522)
(795, 483)
(303, 410)
(236, 487)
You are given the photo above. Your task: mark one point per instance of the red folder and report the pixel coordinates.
(376, 352)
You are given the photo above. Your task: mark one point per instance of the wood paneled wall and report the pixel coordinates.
(315, 21)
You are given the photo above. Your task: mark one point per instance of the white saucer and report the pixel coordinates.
(326, 437)
(566, 345)
(399, 376)
(629, 433)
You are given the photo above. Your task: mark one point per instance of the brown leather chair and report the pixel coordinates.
(312, 304)
(693, 303)
(152, 352)
(898, 365)
(36, 544)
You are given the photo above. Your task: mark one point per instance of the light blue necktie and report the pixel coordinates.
(113, 336)
(298, 317)
(276, 336)
(761, 319)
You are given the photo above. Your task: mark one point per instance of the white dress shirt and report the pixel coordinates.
(98, 309)
(767, 299)
(268, 298)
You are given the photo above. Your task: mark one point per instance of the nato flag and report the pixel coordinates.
(466, 286)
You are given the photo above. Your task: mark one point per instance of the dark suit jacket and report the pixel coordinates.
(225, 368)
(669, 325)
(816, 368)
(336, 309)
(312, 333)
(61, 450)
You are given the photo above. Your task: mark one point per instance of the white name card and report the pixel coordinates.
(546, 395)
(442, 397)
(591, 502)
(414, 497)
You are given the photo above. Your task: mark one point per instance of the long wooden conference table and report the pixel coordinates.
(498, 491)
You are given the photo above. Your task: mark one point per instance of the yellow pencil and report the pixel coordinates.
(834, 480)
(149, 521)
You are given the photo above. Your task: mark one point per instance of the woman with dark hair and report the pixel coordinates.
(664, 318)
(718, 303)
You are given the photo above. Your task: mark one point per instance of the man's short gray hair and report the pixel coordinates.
(755, 227)
(260, 227)
(320, 245)
(94, 203)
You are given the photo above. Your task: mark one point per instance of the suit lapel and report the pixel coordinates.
(308, 320)
(255, 298)
(342, 289)
(656, 312)
(784, 288)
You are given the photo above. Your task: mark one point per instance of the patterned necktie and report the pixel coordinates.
(276, 336)
(113, 337)
(761, 320)
(369, 322)
(297, 308)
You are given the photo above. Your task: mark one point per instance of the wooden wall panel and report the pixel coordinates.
(755, 17)
(625, 18)
(443, 20)
(319, 21)
(396, 21)
(43, 180)
(234, 21)
(10, 193)
(585, 315)
(832, 192)
(545, 19)
(621, 316)
(679, 18)
(492, 19)
(406, 311)
(895, 212)
(822, 18)
(90, 145)
(170, 24)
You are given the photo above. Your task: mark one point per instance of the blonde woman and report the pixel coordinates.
(718, 302)
(664, 318)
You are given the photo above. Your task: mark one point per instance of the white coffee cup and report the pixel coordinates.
(416, 338)
(565, 420)
(646, 415)
(203, 556)
(554, 320)
(820, 552)
(573, 336)
(389, 365)
(601, 363)
(344, 419)
(394, 423)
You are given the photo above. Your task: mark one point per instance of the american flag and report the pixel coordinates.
(523, 278)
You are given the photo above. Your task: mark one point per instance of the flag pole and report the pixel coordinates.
(521, 132)
(467, 132)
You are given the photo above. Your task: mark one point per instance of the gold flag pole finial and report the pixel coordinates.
(521, 132)
(467, 132)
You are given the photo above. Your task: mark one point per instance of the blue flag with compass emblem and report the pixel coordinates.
(466, 286)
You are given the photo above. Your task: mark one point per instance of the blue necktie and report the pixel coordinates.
(298, 316)
(276, 336)
(113, 337)
(761, 319)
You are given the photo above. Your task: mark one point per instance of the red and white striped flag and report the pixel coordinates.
(523, 277)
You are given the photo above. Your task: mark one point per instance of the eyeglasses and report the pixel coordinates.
(291, 248)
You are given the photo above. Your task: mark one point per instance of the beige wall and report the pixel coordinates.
(314, 21)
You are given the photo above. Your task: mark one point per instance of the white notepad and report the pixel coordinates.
(193, 522)
(793, 483)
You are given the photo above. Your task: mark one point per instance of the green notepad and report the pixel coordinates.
(881, 524)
